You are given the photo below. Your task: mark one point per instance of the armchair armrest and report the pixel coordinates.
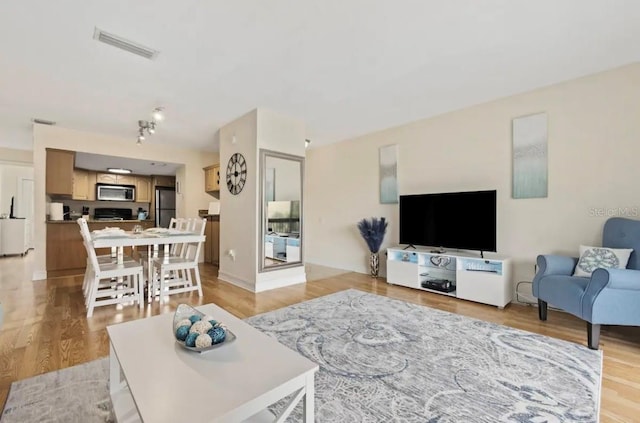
(555, 265)
(614, 279)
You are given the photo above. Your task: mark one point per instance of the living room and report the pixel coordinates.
(445, 141)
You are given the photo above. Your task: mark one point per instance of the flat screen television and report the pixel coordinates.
(454, 220)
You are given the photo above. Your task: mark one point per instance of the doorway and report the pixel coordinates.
(25, 206)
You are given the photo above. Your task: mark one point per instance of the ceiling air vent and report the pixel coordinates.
(43, 121)
(123, 44)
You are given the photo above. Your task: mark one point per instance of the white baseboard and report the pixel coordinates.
(39, 275)
(234, 280)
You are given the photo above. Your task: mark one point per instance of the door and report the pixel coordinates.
(165, 206)
(25, 207)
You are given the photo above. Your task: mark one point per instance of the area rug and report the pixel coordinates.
(385, 360)
(75, 394)
(381, 360)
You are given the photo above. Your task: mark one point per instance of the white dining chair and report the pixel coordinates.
(146, 257)
(102, 259)
(175, 272)
(113, 283)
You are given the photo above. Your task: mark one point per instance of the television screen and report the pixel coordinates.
(458, 220)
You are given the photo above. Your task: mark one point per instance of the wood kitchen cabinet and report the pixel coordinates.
(164, 181)
(143, 189)
(80, 184)
(59, 172)
(84, 185)
(126, 180)
(212, 178)
(91, 177)
(114, 178)
(212, 240)
(106, 178)
(72, 258)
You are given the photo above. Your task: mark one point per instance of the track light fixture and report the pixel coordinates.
(149, 126)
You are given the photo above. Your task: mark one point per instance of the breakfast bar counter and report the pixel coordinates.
(66, 254)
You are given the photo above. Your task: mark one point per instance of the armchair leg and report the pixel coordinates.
(593, 335)
(542, 310)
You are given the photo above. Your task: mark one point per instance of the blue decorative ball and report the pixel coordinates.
(217, 334)
(191, 339)
(182, 332)
(213, 322)
(195, 318)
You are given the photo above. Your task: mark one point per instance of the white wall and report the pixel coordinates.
(594, 145)
(191, 175)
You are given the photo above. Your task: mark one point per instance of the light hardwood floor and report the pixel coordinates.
(45, 327)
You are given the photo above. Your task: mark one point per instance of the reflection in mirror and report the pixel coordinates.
(280, 210)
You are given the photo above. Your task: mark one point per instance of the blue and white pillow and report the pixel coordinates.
(592, 258)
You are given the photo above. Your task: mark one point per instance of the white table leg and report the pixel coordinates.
(309, 393)
(115, 383)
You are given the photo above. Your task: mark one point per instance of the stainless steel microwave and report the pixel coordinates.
(115, 192)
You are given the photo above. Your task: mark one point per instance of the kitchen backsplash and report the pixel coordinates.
(76, 205)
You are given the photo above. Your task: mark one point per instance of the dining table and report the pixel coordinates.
(150, 237)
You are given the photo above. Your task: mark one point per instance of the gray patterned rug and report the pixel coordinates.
(384, 360)
(381, 360)
(75, 394)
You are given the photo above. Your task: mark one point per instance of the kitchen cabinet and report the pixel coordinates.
(212, 240)
(91, 178)
(59, 172)
(72, 259)
(164, 181)
(84, 185)
(80, 184)
(126, 180)
(115, 179)
(143, 189)
(212, 178)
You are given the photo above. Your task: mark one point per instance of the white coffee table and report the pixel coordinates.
(153, 379)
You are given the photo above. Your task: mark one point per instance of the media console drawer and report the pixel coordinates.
(403, 273)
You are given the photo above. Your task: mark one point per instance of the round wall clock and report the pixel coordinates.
(236, 173)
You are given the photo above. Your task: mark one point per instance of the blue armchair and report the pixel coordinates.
(608, 297)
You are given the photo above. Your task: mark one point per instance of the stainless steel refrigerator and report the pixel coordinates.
(165, 206)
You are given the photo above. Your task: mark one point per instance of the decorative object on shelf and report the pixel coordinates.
(388, 169)
(149, 126)
(197, 332)
(236, 173)
(529, 137)
(373, 230)
(440, 261)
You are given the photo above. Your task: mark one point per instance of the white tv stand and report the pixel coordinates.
(484, 280)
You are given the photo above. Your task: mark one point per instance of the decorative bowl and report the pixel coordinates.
(195, 331)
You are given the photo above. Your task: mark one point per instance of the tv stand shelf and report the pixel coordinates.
(466, 276)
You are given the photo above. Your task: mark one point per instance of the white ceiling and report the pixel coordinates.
(345, 67)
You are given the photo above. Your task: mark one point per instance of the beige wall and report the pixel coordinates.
(12, 155)
(191, 175)
(594, 145)
(284, 134)
(240, 214)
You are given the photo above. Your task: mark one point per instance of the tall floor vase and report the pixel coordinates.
(374, 264)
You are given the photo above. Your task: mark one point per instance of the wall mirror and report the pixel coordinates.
(280, 210)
